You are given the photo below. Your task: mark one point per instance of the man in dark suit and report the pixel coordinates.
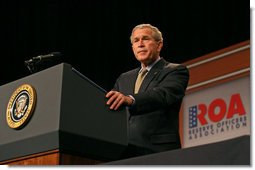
(154, 105)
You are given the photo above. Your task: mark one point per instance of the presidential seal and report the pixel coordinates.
(21, 106)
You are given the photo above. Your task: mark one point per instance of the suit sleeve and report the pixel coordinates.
(168, 89)
(116, 85)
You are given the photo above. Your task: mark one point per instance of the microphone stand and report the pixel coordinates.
(30, 64)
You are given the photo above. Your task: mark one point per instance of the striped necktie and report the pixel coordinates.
(139, 79)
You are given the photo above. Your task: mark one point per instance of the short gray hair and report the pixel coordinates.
(157, 35)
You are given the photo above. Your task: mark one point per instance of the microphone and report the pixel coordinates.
(39, 58)
(35, 63)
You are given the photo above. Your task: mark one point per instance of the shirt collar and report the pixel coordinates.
(151, 65)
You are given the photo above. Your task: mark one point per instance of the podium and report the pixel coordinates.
(69, 124)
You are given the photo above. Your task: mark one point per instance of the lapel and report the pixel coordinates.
(151, 74)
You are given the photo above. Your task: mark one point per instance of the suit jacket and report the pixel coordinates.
(154, 118)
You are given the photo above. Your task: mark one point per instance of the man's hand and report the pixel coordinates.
(117, 99)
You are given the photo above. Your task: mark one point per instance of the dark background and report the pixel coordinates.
(93, 35)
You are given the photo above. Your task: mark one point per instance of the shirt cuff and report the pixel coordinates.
(132, 99)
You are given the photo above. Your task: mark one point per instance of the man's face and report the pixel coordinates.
(145, 48)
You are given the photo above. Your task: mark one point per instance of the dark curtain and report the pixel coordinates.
(94, 35)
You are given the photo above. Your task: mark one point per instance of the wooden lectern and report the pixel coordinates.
(69, 124)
